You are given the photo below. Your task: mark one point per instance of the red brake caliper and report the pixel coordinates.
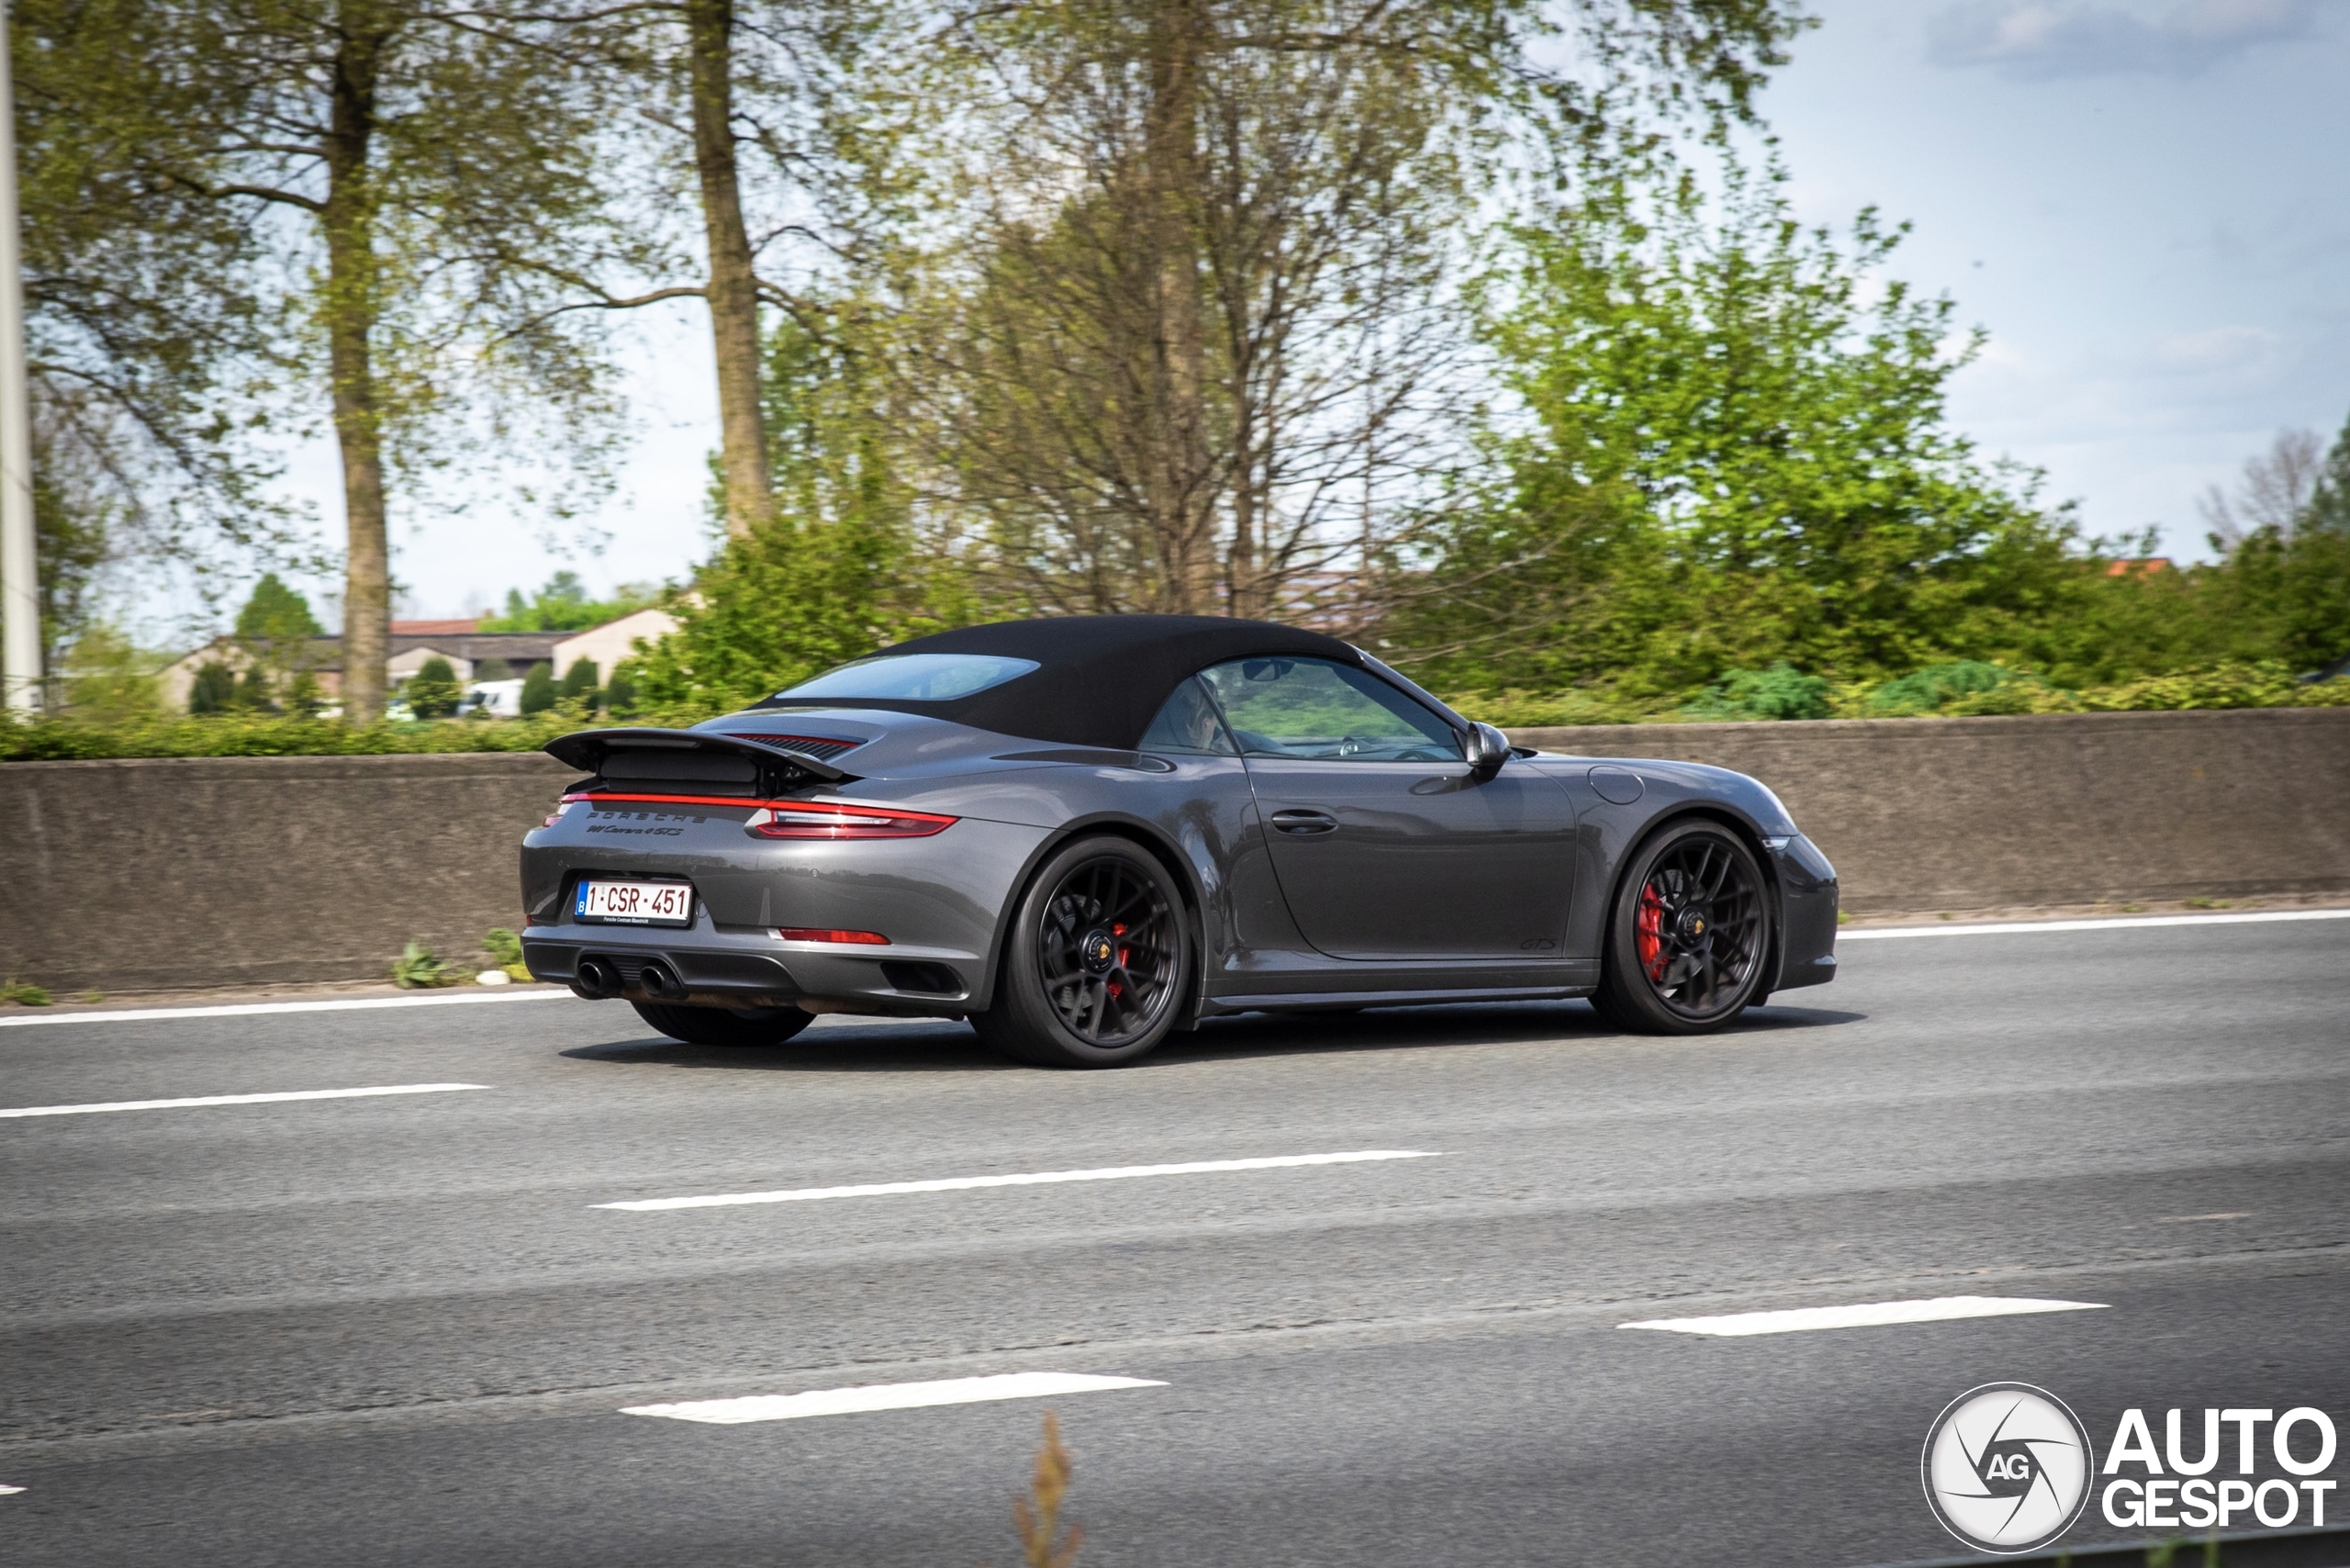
(1116, 990)
(1648, 934)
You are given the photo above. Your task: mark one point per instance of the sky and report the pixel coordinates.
(2144, 203)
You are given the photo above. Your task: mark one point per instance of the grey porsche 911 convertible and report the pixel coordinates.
(1084, 834)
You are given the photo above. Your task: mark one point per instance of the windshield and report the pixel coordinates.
(912, 678)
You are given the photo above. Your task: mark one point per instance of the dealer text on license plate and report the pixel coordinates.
(635, 904)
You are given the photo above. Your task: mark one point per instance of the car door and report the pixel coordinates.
(1384, 844)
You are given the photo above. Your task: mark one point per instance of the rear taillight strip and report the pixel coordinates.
(802, 819)
(823, 819)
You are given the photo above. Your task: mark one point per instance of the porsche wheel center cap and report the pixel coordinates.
(1693, 925)
(1097, 952)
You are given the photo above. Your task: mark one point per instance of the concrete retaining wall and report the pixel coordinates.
(1957, 814)
(170, 872)
(185, 872)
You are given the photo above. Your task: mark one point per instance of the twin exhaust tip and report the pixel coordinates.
(597, 978)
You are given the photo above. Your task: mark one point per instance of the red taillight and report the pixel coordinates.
(798, 819)
(826, 819)
(812, 933)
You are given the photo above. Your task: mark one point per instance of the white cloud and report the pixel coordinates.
(2039, 40)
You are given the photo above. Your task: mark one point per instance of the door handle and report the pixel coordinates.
(1299, 823)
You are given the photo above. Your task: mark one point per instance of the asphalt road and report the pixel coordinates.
(396, 1329)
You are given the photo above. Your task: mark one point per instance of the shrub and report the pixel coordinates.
(432, 692)
(1926, 691)
(579, 683)
(417, 970)
(620, 692)
(506, 947)
(1781, 691)
(214, 691)
(538, 689)
(2266, 684)
(23, 993)
(68, 738)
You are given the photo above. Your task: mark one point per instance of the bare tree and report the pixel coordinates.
(1201, 344)
(2275, 490)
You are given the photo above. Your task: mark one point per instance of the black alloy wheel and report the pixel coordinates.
(1097, 961)
(724, 1026)
(1689, 936)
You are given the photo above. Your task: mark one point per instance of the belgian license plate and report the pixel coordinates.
(635, 904)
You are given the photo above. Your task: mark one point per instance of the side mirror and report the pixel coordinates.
(1488, 748)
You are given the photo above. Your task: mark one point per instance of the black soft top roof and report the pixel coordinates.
(1102, 678)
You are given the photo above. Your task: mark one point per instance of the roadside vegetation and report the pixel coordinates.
(1480, 334)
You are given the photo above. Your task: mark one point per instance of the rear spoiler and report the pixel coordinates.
(779, 766)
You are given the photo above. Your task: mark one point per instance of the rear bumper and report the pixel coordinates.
(1807, 897)
(723, 968)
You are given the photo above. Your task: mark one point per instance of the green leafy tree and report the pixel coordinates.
(109, 678)
(837, 572)
(426, 184)
(432, 692)
(2329, 505)
(277, 614)
(1731, 455)
(147, 327)
(538, 689)
(563, 605)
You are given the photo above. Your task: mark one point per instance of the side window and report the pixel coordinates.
(1313, 708)
(1189, 724)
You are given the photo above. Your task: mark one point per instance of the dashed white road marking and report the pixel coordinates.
(1866, 1314)
(251, 1009)
(240, 1099)
(2118, 923)
(887, 1397)
(1028, 1179)
(9, 1491)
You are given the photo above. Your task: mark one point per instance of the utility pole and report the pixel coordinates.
(19, 570)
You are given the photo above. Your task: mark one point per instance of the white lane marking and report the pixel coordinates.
(2116, 923)
(1030, 1179)
(240, 1099)
(249, 1009)
(9, 1491)
(887, 1397)
(1867, 1315)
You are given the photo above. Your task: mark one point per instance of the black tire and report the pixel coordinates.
(1097, 961)
(1689, 936)
(724, 1026)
